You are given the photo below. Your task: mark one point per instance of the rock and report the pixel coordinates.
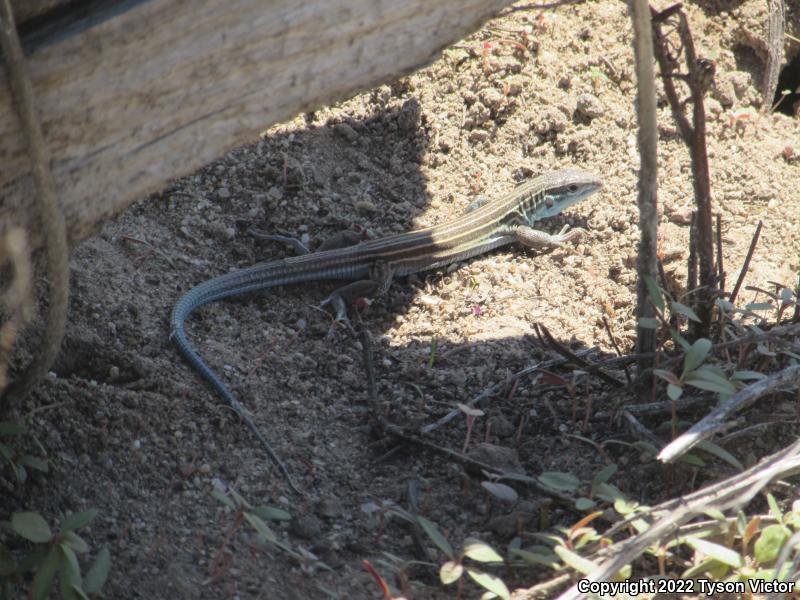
(307, 527)
(507, 526)
(550, 119)
(500, 458)
(344, 130)
(590, 106)
(330, 508)
(501, 426)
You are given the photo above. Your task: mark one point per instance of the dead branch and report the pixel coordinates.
(731, 493)
(699, 76)
(775, 31)
(647, 197)
(715, 421)
(51, 217)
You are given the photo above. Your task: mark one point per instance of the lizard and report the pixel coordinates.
(372, 265)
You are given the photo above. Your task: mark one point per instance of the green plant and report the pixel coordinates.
(476, 550)
(18, 460)
(54, 554)
(257, 517)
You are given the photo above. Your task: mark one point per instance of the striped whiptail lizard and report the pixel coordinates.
(372, 265)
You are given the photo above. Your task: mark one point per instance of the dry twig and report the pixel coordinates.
(52, 223)
(715, 421)
(731, 493)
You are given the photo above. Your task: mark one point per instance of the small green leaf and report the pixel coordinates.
(536, 558)
(430, 528)
(6, 452)
(674, 392)
(721, 453)
(696, 355)
(655, 293)
(270, 513)
(224, 498)
(260, 526)
(706, 378)
(759, 306)
(685, 311)
(699, 568)
(774, 508)
(76, 542)
(649, 323)
(576, 561)
(770, 542)
(747, 375)
(43, 580)
(77, 520)
(480, 551)
(607, 492)
(715, 514)
(31, 526)
(692, 460)
(78, 593)
(645, 448)
(667, 376)
(490, 582)
(557, 480)
(625, 507)
(679, 339)
(640, 525)
(7, 428)
(501, 491)
(584, 504)
(34, 463)
(239, 499)
(70, 574)
(716, 551)
(98, 573)
(604, 474)
(450, 572)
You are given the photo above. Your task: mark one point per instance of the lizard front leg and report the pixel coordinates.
(534, 238)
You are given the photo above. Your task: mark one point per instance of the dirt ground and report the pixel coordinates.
(134, 432)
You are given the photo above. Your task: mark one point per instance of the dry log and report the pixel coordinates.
(156, 91)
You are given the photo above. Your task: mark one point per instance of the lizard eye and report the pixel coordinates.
(572, 187)
(549, 202)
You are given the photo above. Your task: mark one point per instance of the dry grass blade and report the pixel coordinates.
(746, 264)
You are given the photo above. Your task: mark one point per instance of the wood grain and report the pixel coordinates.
(162, 89)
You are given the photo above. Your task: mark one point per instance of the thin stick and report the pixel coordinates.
(496, 388)
(746, 264)
(545, 6)
(616, 348)
(720, 268)
(569, 355)
(715, 420)
(54, 230)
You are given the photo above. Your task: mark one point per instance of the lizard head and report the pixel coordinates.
(561, 189)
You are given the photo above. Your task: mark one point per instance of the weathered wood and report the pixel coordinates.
(159, 90)
(25, 10)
